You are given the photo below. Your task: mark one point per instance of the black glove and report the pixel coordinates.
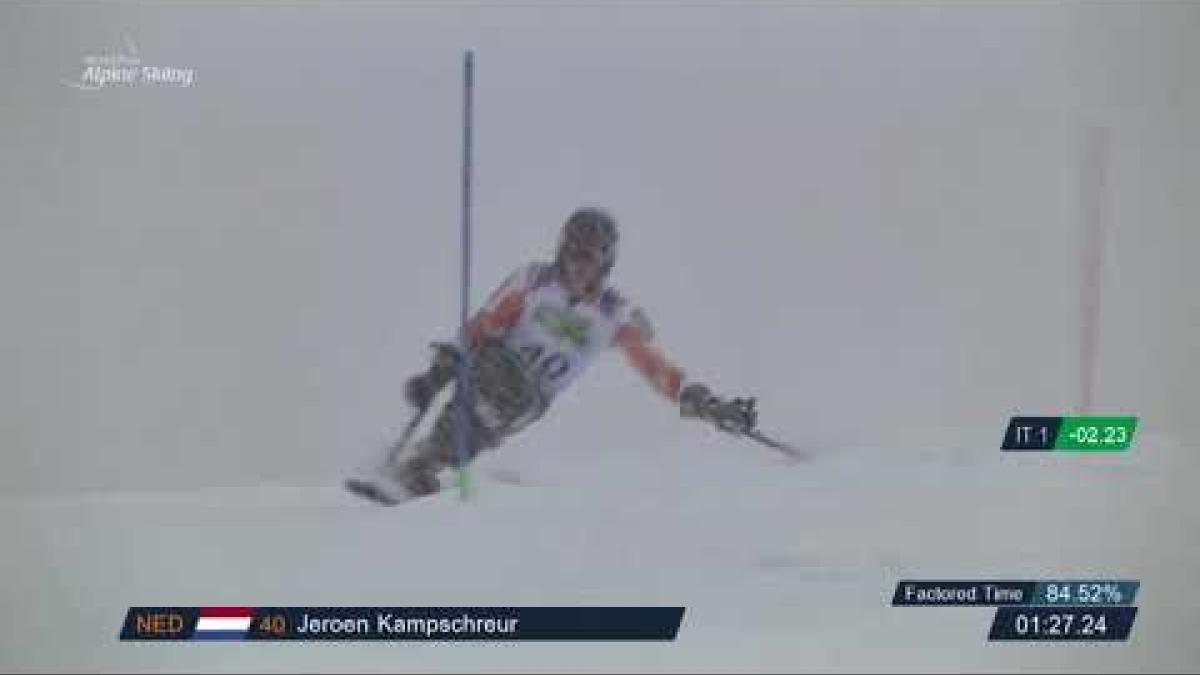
(445, 362)
(420, 390)
(736, 416)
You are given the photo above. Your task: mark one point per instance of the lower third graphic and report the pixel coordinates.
(401, 623)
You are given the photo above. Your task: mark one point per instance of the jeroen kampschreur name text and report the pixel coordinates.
(386, 624)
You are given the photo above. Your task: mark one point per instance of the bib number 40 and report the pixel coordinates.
(545, 364)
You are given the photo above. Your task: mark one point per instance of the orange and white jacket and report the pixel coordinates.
(533, 315)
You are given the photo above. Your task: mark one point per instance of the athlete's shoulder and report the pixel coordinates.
(624, 312)
(541, 274)
(611, 302)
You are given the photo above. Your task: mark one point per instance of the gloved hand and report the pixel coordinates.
(420, 390)
(736, 416)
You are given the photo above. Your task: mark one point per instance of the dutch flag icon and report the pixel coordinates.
(223, 623)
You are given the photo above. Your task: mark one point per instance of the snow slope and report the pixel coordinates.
(781, 567)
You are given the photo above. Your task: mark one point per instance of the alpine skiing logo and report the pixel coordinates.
(123, 67)
(564, 325)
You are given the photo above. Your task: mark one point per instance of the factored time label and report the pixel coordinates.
(1050, 610)
(997, 593)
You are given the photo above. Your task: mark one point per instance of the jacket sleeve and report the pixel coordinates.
(502, 309)
(634, 337)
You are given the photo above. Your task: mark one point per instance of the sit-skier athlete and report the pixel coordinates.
(536, 334)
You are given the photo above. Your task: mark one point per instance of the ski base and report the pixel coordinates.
(371, 491)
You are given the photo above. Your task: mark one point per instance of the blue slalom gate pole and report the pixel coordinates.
(465, 390)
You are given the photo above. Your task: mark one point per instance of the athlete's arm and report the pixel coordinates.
(502, 309)
(695, 399)
(634, 340)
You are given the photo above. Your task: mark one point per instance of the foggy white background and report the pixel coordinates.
(867, 216)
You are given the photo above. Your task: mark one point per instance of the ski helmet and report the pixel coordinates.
(592, 228)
